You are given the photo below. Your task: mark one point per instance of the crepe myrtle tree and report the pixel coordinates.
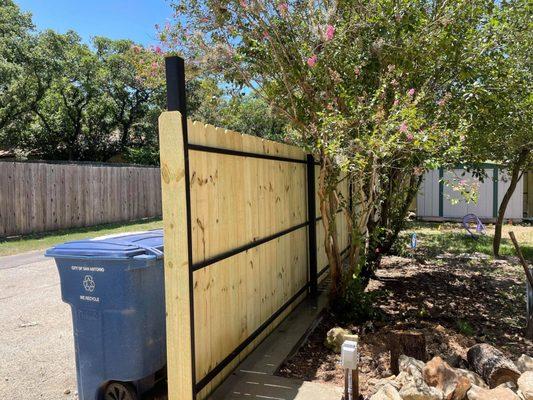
(364, 85)
(497, 97)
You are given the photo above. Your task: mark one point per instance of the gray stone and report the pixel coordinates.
(525, 384)
(386, 392)
(378, 383)
(524, 363)
(419, 390)
(405, 362)
(474, 378)
(413, 386)
(499, 393)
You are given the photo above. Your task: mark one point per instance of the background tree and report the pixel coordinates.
(498, 97)
(364, 86)
(18, 84)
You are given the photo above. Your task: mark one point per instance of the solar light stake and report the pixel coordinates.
(350, 363)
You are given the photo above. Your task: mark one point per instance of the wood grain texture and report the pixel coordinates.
(40, 197)
(177, 279)
(235, 200)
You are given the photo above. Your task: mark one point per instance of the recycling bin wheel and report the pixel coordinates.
(120, 391)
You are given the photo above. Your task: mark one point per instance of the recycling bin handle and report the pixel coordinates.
(154, 251)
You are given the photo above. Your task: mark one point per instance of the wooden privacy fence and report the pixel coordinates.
(241, 227)
(45, 196)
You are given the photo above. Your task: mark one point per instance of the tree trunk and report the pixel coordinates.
(492, 365)
(410, 343)
(515, 177)
(328, 209)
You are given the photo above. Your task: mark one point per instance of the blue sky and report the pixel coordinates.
(117, 19)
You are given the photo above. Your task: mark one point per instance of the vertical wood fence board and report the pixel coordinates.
(235, 200)
(40, 197)
(177, 290)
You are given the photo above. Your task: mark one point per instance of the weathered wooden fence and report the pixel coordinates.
(241, 227)
(42, 196)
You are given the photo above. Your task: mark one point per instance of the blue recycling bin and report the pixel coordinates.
(115, 287)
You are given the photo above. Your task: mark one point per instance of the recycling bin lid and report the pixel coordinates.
(119, 246)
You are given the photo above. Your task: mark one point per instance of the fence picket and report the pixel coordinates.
(43, 196)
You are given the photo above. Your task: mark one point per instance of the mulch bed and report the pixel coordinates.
(456, 301)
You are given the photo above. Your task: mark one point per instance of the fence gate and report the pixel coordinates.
(240, 252)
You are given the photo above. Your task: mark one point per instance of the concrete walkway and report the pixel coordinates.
(254, 377)
(36, 343)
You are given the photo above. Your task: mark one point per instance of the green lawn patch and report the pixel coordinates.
(45, 240)
(437, 238)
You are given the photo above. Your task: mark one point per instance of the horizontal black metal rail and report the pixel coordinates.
(230, 357)
(248, 246)
(231, 152)
(230, 253)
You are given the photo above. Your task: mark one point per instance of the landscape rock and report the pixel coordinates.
(499, 393)
(405, 362)
(474, 378)
(525, 384)
(411, 381)
(379, 383)
(524, 363)
(386, 392)
(440, 375)
(335, 338)
(419, 390)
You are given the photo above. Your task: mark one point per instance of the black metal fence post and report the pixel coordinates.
(311, 217)
(176, 101)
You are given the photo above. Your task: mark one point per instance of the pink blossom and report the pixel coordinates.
(411, 92)
(157, 50)
(396, 102)
(377, 250)
(410, 136)
(403, 127)
(283, 8)
(462, 182)
(357, 71)
(330, 32)
(244, 4)
(136, 49)
(155, 65)
(311, 61)
(462, 138)
(266, 35)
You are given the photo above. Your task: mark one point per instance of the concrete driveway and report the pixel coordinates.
(36, 344)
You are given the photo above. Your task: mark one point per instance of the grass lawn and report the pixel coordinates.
(436, 238)
(44, 241)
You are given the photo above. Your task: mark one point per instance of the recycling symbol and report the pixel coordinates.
(88, 283)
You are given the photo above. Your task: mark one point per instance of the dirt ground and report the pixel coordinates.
(455, 300)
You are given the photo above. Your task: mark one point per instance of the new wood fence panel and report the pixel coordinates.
(39, 196)
(242, 284)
